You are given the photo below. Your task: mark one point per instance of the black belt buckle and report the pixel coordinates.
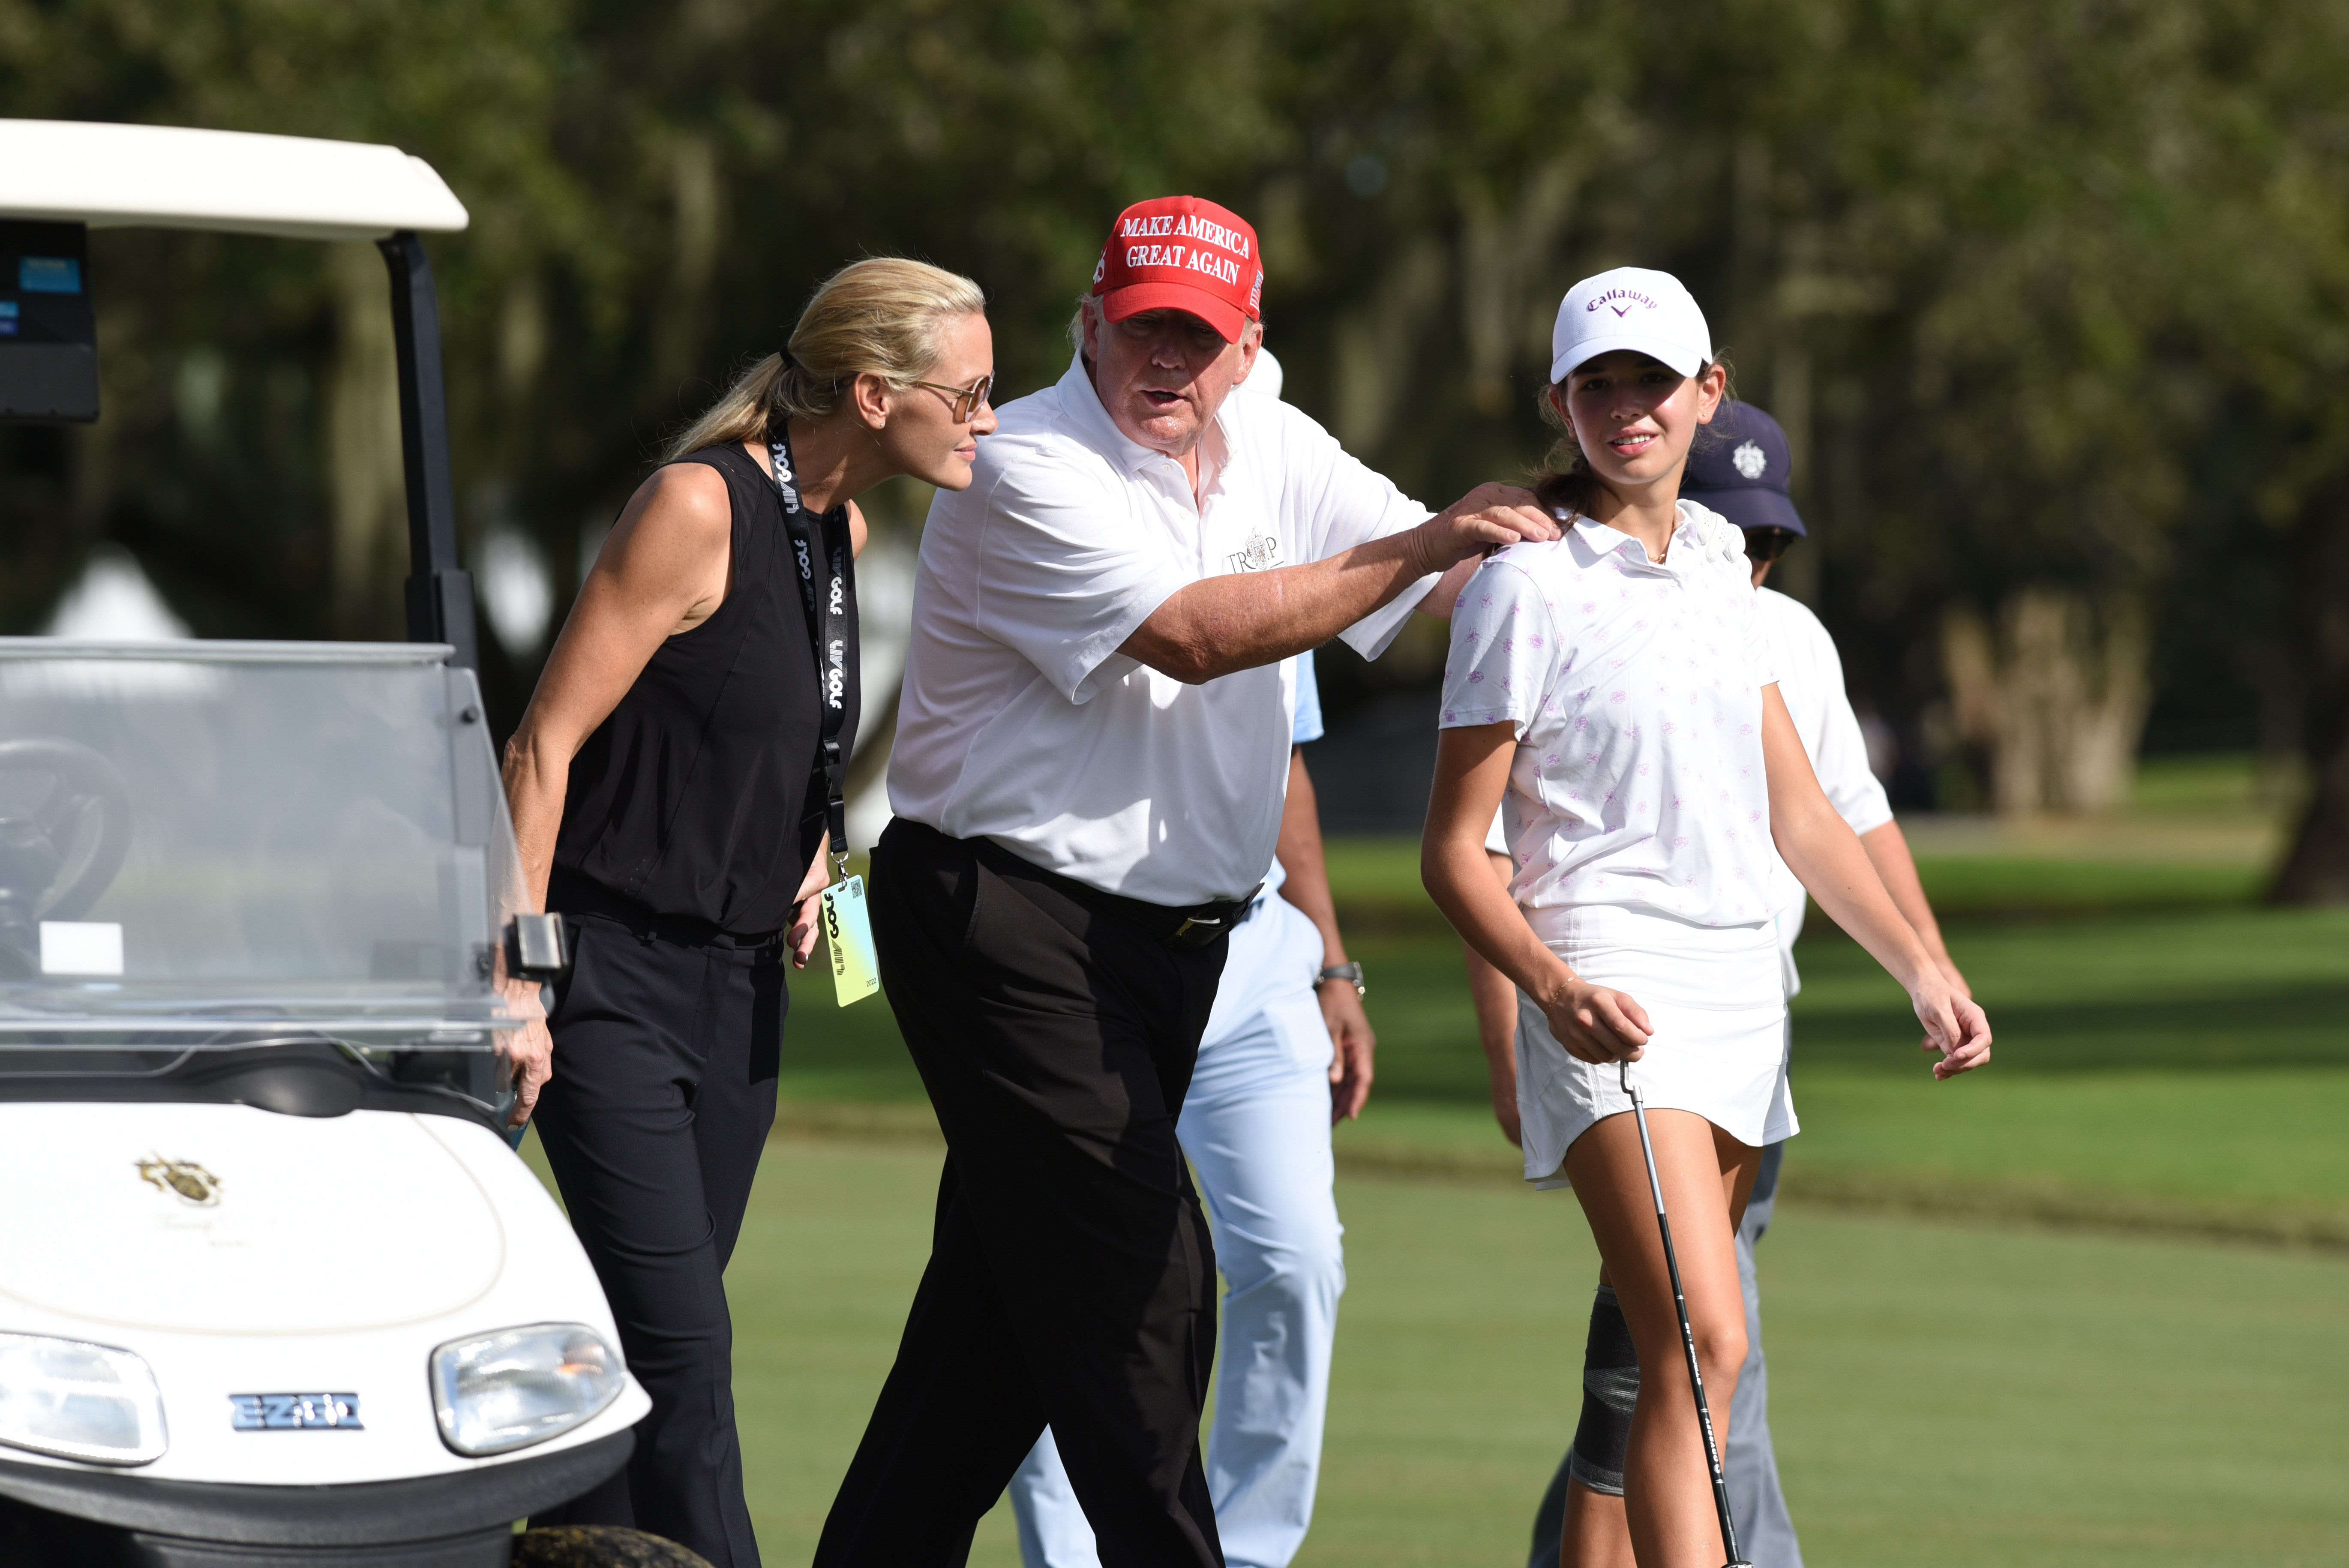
(1204, 923)
(1198, 931)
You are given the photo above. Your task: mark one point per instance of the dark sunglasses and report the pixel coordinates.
(1766, 544)
(967, 400)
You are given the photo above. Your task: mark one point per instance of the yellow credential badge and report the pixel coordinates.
(848, 930)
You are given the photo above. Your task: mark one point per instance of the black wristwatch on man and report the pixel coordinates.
(1350, 972)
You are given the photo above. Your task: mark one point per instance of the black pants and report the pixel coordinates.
(664, 1091)
(1071, 1278)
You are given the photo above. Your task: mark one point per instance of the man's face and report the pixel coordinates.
(1162, 373)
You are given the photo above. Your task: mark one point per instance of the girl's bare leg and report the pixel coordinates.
(1707, 1176)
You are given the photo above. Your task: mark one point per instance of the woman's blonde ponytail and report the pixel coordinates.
(883, 316)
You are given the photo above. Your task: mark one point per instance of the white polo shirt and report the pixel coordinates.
(1810, 677)
(1019, 720)
(1635, 691)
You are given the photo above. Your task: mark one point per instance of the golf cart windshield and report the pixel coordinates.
(208, 845)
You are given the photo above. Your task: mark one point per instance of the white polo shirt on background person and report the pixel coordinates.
(1019, 720)
(1810, 680)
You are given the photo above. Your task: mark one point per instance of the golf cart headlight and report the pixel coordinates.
(517, 1387)
(78, 1401)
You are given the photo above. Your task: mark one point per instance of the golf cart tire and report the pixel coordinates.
(599, 1546)
(51, 1517)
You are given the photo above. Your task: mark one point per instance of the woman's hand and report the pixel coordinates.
(1955, 1025)
(1596, 1025)
(1838, 871)
(529, 1050)
(807, 909)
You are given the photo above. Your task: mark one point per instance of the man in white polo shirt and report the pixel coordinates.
(1286, 1054)
(1091, 750)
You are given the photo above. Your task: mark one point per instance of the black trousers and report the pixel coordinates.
(666, 1049)
(1071, 1278)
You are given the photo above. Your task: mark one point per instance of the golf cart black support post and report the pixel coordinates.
(439, 592)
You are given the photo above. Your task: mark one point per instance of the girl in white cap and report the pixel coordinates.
(1612, 691)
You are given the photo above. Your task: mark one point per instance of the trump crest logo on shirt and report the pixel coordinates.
(1259, 553)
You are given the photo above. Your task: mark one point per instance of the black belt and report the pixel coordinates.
(570, 893)
(1203, 924)
(1188, 929)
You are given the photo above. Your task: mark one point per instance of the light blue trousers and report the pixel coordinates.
(1750, 1464)
(1256, 1127)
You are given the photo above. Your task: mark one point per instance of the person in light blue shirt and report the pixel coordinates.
(1287, 1053)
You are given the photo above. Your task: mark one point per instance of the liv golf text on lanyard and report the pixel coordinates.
(847, 927)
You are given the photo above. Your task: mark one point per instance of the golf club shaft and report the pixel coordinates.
(1687, 1336)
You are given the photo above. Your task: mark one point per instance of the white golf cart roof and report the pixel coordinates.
(169, 177)
(104, 176)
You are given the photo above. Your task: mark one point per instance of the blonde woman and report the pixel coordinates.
(670, 784)
(1613, 693)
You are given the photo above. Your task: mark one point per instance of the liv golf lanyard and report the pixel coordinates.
(847, 925)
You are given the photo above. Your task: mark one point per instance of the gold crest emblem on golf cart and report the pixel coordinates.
(186, 1179)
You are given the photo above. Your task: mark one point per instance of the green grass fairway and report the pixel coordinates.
(1961, 1395)
(2011, 1318)
(2186, 1067)
(1944, 1393)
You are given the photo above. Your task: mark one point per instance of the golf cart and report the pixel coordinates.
(274, 1289)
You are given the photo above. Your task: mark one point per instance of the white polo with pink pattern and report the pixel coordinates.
(1635, 690)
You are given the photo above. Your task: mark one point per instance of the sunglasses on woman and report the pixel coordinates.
(1765, 544)
(967, 400)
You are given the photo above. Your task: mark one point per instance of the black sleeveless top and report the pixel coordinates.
(702, 794)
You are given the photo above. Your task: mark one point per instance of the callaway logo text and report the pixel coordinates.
(1627, 296)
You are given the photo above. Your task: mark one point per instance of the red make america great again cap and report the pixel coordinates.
(1178, 253)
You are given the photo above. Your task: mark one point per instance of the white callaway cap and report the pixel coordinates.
(1630, 307)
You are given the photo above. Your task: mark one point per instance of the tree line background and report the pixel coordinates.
(2052, 298)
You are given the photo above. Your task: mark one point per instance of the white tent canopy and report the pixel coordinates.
(169, 177)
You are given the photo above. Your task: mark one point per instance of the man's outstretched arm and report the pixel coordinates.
(1243, 619)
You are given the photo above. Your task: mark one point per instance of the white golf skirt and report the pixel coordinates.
(1716, 998)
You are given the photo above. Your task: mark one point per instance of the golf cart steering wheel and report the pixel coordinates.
(39, 838)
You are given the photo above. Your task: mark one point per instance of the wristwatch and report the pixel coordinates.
(1348, 972)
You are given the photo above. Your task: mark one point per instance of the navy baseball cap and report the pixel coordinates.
(1740, 469)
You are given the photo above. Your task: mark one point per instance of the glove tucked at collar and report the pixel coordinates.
(1717, 538)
